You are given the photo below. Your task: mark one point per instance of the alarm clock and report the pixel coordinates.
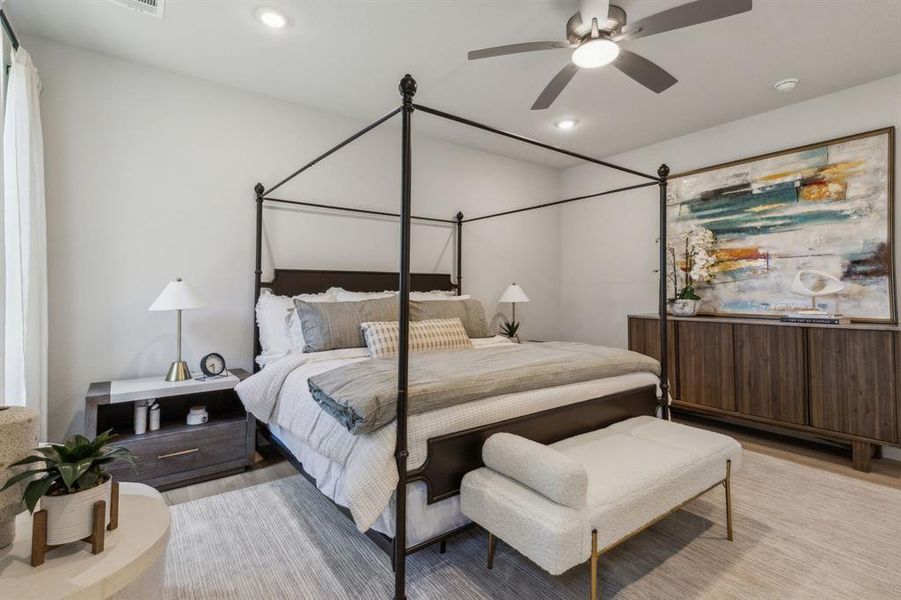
(212, 365)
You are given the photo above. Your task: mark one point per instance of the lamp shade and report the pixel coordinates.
(514, 293)
(177, 295)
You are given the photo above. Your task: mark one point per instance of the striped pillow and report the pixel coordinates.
(435, 334)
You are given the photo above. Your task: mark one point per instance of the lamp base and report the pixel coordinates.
(178, 371)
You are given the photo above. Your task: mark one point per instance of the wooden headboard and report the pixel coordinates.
(290, 282)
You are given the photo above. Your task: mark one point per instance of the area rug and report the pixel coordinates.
(800, 532)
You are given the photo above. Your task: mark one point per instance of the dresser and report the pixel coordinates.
(835, 382)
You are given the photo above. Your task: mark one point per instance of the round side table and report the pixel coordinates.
(131, 567)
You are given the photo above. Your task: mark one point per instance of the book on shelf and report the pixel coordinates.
(815, 317)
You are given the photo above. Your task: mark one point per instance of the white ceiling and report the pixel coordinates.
(347, 57)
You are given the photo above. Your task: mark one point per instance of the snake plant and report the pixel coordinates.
(509, 328)
(69, 468)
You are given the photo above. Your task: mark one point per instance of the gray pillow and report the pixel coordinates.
(333, 325)
(470, 312)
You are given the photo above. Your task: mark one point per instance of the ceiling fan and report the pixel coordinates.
(595, 33)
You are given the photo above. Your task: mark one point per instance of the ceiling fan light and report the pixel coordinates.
(595, 53)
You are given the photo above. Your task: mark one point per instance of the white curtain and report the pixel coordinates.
(25, 242)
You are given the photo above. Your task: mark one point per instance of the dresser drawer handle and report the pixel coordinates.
(182, 453)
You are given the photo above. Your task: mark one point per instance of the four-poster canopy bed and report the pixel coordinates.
(452, 455)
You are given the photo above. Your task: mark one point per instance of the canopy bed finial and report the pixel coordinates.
(663, 171)
(259, 189)
(407, 87)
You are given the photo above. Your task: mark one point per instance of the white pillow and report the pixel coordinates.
(342, 295)
(437, 295)
(275, 338)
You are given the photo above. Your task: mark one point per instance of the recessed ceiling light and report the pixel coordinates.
(271, 18)
(786, 85)
(566, 124)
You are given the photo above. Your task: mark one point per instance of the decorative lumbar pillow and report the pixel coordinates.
(333, 325)
(436, 334)
(470, 313)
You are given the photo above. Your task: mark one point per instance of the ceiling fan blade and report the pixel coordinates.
(693, 13)
(594, 9)
(515, 49)
(553, 89)
(643, 71)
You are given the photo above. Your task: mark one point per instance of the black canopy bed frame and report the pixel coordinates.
(451, 456)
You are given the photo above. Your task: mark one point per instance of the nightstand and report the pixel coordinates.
(176, 454)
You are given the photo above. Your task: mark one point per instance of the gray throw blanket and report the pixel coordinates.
(363, 396)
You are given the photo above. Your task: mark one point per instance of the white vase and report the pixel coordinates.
(70, 517)
(685, 308)
(18, 435)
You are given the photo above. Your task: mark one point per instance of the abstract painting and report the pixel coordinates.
(825, 207)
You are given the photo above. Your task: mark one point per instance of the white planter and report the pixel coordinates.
(685, 308)
(71, 517)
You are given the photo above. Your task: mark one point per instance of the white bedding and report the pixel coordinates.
(280, 395)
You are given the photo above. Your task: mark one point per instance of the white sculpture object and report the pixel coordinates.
(824, 285)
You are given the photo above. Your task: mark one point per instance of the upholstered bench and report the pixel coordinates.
(563, 504)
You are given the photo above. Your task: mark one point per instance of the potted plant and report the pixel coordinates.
(71, 481)
(510, 329)
(696, 266)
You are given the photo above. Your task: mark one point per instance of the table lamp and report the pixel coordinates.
(513, 294)
(178, 296)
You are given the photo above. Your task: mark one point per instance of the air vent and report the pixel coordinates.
(147, 7)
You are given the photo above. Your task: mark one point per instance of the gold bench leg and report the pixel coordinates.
(727, 483)
(594, 565)
(492, 543)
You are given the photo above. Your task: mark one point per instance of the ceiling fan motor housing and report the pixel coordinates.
(578, 31)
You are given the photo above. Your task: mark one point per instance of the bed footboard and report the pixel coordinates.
(453, 455)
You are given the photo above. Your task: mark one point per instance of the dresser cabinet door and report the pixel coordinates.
(771, 372)
(852, 382)
(706, 367)
(644, 338)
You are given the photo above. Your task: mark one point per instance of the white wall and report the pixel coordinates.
(609, 250)
(150, 176)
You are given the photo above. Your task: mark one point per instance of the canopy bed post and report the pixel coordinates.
(459, 218)
(258, 269)
(663, 172)
(407, 89)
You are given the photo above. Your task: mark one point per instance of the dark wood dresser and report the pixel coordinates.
(836, 382)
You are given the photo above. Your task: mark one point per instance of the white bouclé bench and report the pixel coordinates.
(563, 504)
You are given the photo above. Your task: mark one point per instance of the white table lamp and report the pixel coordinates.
(514, 294)
(178, 296)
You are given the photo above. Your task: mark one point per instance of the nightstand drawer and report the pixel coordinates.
(184, 450)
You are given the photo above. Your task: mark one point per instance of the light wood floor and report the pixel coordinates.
(270, 467)
(819, 456)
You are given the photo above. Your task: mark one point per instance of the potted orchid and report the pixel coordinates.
(696, 267)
